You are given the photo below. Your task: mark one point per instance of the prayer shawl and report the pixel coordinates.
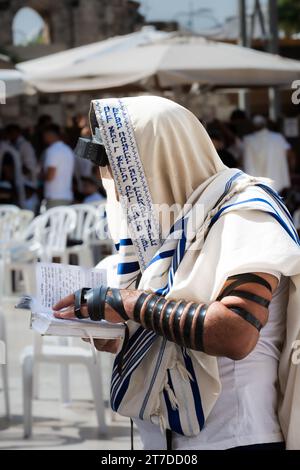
(225, 223)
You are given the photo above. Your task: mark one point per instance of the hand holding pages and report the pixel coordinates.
(55, 281)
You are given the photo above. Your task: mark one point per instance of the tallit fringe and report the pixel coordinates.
(172, 397)
(162, 424)
(184, 373)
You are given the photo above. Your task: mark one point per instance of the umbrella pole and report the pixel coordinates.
(274, 93)
(244, 99)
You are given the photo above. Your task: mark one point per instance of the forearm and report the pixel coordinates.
(214, 328)
(226, 327)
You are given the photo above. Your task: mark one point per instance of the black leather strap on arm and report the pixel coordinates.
(247, 316)
(242, 279)
(79, 301)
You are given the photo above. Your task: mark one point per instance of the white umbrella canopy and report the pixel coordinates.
(11, 84)
(70, 70)
(172, 60)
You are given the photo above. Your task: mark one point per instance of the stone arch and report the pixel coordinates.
(20, 35)
(74, 22)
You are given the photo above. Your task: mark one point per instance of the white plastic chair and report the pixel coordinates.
(13, 225)
(8, 217)
(8, 209)
(66, 355)
(86, 224)
(23, 219)
(100, 239)
(52, 230)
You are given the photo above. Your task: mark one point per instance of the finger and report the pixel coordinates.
(100, 343)
(112, 346)
(65, 302)
(65, 315)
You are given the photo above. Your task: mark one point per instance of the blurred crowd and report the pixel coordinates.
(39, 170)
(38, 167)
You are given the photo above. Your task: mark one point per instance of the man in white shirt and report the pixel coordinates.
(25, 149)
(90, 189)
(266, 154)
(58, 169)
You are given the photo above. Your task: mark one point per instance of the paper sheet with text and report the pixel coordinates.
(55, 281)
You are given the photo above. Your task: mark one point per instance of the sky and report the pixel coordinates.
(168, 9)
(27, 23)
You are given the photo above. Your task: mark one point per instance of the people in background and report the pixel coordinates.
(219, 143)
(11, 171)
(58, 169)
(25, 149)
(32, 201)
(7, 193)
(266, 154)
(91, 190)
(23, 153)
(240, 124)
(37, 138)
(78, 126)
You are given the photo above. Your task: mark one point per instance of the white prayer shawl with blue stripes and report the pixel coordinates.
(231, 224)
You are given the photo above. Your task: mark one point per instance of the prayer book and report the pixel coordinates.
(54, 281)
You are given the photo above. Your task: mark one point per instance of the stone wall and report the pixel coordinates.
(75, 22)
(70, 23)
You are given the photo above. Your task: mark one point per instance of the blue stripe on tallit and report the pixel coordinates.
(123, 242)
(282, 223)
(126, 242)
(173, 414)
(127, 268)
(195, 389)
(136, 358)
(118, 392)
(257, 199)
(130, 342)
(164, 255)
(115, 402)
(228, 186)
(142, 335)
(153, 378)
(278, 199)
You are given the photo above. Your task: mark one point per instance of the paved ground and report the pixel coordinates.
(56, 426)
